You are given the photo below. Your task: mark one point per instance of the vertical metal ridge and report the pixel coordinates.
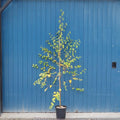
(111, 13)
(85, 47)
(8, 88)
(45, 33)
(101, 66)
(33, 53)
(40, 34)
(94, 52)
(87, 39)
(113, 54)
(34, 36)
(88, 33)
(96, 55)
(70, 98)
(28, 59)
(22, 57)
(82, 103)
(109, 59)
(13, 66)
(0, 65)
(107, 100)
(103, 81)
(17, 58)
(74, 34)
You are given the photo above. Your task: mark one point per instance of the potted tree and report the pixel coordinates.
(59, 59)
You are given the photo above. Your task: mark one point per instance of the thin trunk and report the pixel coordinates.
(59, 75)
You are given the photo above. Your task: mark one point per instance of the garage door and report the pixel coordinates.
(25, 27)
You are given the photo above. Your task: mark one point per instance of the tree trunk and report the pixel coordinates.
(59, 75)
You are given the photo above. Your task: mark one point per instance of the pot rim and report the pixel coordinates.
(57, 107)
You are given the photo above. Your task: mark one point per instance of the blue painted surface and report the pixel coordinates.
(25, 27)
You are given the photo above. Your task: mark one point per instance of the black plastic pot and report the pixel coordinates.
(60, 112)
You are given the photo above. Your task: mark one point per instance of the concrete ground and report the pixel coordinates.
(52, 116)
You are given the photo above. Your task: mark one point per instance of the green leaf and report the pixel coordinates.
(63, 72)
(79, 89)
(75, 78)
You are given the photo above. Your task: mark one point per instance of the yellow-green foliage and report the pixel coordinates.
(68, 49)
(56, 96)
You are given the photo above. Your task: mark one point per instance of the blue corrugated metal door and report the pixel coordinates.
(25, 27)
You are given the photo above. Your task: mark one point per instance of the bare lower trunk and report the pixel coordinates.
(59, 75)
